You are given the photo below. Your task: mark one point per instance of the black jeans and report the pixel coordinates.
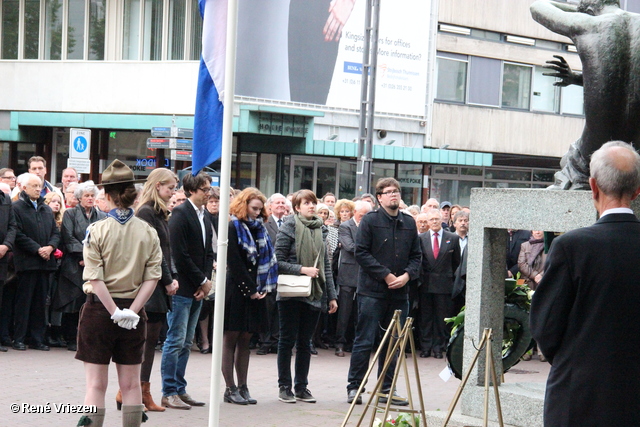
(298, 321)
(373, 315)
(31, 299)
(347, 313)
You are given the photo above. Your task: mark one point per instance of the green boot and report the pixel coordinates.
(133, 415)
(93, 420)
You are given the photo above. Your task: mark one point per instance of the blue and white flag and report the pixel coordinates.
(207, 126)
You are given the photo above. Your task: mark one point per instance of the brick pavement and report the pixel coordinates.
(38, 378)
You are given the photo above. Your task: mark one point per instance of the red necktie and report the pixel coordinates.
(436, 246)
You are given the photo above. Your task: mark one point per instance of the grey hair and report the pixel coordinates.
(275, 196)
(434, 211)
(85, 187)
(610, 179)
(24, 178)
(362, 204)
(460, 214)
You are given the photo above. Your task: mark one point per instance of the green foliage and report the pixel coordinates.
(402, 420)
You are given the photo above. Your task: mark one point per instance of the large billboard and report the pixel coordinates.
(285, 53)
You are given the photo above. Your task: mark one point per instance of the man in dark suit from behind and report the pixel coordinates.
(584, 312)
(514, 242)
(348, 275)
(439, 262)
(277, 204)
(192, 251)
(7, 238)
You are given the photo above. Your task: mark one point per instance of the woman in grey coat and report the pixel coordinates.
(300, 241)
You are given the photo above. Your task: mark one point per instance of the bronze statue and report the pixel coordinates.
(608, 42)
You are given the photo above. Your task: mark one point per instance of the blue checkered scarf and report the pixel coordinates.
(259, 251)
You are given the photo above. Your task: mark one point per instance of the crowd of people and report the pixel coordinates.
(366, 258)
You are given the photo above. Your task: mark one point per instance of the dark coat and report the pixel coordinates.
(272, 228)
(460, 277)
(386, 245)
(437, 274)
(159, 302)
(74, 228)
(584, 318)
(514, 242)
(349, 268)
(7, 231)
(288, 261)
(35, 228)
(192, 258)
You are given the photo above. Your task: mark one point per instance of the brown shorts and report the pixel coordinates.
(100, 340)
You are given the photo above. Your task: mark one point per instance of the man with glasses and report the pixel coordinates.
(388, 251)
(191, 247)
(8, 177)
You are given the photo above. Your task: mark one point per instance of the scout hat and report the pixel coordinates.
(118, 173)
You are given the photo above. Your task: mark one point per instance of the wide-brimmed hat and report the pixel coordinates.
(118, 173)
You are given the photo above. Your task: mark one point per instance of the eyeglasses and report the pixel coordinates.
(12, 178)
(391, 193)
(205, 189)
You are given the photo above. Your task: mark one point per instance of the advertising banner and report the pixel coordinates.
(311, 51)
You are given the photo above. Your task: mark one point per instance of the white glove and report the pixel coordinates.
(117, 315)
(129, 320)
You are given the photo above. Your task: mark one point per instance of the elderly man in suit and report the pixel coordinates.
(440, 259)
(7, 238)
(277, 204)
(584, 311)
(348, 275)
(191, 237)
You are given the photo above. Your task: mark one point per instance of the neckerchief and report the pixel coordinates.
(121, 215)
(259, 251)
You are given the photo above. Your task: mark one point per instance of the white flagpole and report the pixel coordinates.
(223, 221)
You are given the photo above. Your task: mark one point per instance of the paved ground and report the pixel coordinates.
(55, 377)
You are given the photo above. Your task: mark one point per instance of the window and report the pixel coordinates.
(452, 80)
(572, 100)
(144, 35)
(484, 81)
(53, 30)
(31, 27)
(546, 96)
(516, 86)
(10, 20)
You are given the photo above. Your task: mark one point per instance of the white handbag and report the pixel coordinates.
(292, 286)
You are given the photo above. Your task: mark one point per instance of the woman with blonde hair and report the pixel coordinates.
(54, 201)
(252, 272)
(152, 207)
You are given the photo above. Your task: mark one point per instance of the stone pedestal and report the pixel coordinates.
(492, 212)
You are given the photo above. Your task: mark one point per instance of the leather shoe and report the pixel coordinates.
(352, 395)
(39, 346)
(396, 399)
(232, 395)
(339, 351)
(189, 401)
(264, 349)
(206, 350)
(312, 349)
(425, 354)
(17, 345)
(437, 354)
(174, 402)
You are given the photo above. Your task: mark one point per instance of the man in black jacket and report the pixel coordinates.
(7, 238)
(37, 236)
(192, 253)
(388, 251)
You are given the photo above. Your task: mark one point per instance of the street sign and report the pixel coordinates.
(158, 143)
(80, 143)
(171, 132)
(80, 165)
(173, 143)
(161, 132)
(181, 155)
(185, 133)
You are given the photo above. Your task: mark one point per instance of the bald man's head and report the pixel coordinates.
(616, 169)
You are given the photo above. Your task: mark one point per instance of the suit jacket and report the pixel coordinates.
(437, 274)
(460, 276)
(349, 268)
(193, 258)
(7, 231)
(584, 318)
(272, 228)
(513, 249)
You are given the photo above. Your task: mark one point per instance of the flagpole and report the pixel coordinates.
(223, 221)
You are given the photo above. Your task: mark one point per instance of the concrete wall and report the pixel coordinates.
(466, 127)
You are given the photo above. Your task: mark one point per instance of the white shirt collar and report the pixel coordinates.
(617, 211)
(198, 211)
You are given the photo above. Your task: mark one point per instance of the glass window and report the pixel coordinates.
(75, 30)
(152, 49)
(543, 175)
(516, 86)
(508, 174)
(381, 170)
(546, 96)
(53, 30)
(177, 12)
(195, 38)
(31, 29)
(96, 29)
(10, 17)
(471, 171)
(248, 163)
(572, 100)
(452, 80)
(131, 33)
(302, 175)
(457, 192)
(507, 185)
(326, 178)
(484, 81)
(268, 171)
(4, 155)
(410, 179)
(347, 180)
(446, 170)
